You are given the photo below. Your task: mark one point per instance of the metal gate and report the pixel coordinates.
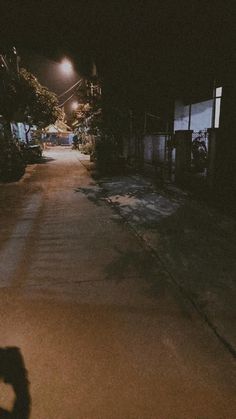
(158, 152)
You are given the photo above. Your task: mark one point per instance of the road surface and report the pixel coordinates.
(102, 330)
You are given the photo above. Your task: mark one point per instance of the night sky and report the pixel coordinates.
(143, 49)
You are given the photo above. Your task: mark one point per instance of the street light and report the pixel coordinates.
(74, 105)
(66, 66)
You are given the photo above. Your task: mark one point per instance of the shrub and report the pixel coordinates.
(12, 165)
(87, 148)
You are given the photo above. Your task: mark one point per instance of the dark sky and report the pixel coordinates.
(140, 46)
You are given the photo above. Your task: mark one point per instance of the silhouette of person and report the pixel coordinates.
(13, 372)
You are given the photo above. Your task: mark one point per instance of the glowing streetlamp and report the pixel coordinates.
(74, 105)
(66, 66)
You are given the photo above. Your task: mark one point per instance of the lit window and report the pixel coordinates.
(217, 105)
(218, 91)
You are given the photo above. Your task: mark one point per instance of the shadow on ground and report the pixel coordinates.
(45, 160)
(129, 263)
(13, 372)
(94, 194)
(196, 245)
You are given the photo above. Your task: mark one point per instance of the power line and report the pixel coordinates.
(62, 104)
(70, 88)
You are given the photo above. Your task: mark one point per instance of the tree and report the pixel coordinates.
(24, 99)
(37, 104)
(8, 98)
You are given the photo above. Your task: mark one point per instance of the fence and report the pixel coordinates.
(158, 153)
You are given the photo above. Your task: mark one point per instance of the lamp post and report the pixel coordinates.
(66, 67)
(93, 89)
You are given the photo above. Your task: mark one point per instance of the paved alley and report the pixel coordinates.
(103, 331)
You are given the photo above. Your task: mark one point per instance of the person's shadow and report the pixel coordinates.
(13, 372)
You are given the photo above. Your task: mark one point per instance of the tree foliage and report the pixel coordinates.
(24, 99)
(8, 95)
(37, 103)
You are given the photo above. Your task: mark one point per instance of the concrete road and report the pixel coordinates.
(102, 330)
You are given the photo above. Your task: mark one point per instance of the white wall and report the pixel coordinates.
(19, 130)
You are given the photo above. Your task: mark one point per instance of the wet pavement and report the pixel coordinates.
(102, 329)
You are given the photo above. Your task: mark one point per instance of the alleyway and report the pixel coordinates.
(103, 331)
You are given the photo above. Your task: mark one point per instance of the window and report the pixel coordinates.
(216, 107)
